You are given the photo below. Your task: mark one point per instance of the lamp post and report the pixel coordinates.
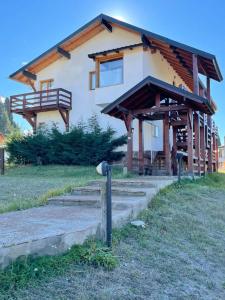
(105, 169)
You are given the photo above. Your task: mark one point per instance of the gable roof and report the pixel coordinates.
(143, 94)
(178, 55)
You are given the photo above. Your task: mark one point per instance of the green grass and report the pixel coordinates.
(28, 186)
(27, 269)
(179, 255)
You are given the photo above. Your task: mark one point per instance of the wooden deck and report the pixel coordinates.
(41, 101)
(29, 104)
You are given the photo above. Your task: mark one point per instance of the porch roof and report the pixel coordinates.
(142, 96)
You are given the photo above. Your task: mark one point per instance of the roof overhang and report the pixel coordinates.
(142, 96)
(179, 55)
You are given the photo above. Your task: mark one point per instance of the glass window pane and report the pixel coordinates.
(111, 72)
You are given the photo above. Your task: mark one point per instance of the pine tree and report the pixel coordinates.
(7, 125)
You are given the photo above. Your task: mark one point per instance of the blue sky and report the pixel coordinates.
(28, 28)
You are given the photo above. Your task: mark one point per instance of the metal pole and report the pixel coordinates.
(109, 207)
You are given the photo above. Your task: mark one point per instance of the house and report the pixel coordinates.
(139, 82)
(221, 162)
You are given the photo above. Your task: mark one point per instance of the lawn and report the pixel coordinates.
(27, 186)
(179, 255)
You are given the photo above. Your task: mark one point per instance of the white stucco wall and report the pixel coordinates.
(73, 75)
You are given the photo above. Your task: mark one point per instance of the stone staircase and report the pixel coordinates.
(130, 196)
(70, 219)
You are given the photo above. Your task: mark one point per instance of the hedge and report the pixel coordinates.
(84, 144)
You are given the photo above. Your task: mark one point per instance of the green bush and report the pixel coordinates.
(85, 144)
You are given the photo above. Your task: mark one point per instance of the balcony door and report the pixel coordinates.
(45, 87)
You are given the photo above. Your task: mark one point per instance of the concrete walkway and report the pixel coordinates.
(71, 219)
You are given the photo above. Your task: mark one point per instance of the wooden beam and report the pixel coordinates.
(106, 25)
(167, 144)
(208, 89)
(29, 75)
(129, 143)
(195, 74)
(190, 141)
(197, 141)
(210, 164)
(63, 52)
(202, 147)
(159, 109)
(147, 43)
(141, 147)
(65, 116)
(157, 100)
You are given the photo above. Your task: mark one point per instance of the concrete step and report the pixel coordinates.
(122, 191)
(118, 203)
(126, 183)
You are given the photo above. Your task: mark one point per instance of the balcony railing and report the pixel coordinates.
(41, 101)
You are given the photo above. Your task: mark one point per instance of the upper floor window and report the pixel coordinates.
(46, 84)
(111, 72)
(92, 80)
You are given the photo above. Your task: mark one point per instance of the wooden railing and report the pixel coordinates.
(41, 101)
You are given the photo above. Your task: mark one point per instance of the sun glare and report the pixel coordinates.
(120, 17)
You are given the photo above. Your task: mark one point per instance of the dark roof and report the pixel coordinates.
(143, 94)
(208, 61)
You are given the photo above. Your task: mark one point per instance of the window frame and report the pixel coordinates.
(91, 73)
(107, 58)
(47, 81)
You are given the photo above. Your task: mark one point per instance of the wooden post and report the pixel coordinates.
(195, 74)
(190, 141)
(129, 143)
(209, 122)
(197, 141)
(2, 161)
(175, 138)
(208, 89)
(202, 143)
(157, 100)
(167, 143)
(141, 147)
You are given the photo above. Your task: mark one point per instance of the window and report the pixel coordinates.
(46, 84)
(155, 132)
(92, 80)
(111, 72)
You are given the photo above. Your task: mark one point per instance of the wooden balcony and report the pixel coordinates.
(41, 101)
(29, 104)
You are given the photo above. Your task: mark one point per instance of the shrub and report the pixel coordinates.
(85, 144)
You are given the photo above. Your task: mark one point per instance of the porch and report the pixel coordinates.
(29, 104)
(187, 126)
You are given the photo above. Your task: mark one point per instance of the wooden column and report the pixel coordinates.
(195, 74)
(141, 147)
(209, 122)
(197, 141)
(202, 143)
(175, 138)
(167, 144)
(190, 141)
(129, 143)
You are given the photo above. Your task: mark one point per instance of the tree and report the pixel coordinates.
(7, 125)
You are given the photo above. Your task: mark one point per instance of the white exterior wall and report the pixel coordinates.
(73, 75)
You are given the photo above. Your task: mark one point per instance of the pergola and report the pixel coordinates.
(153, 99)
